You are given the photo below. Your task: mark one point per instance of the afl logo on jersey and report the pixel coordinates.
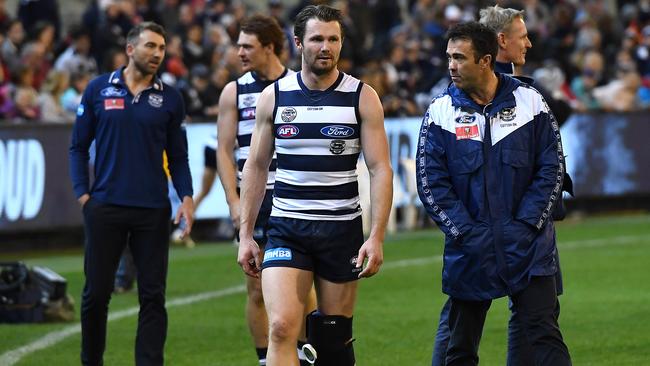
(337, 131)
(288, 114)
(288, 131)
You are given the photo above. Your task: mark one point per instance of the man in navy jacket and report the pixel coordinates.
(512, 38)
(133, 119)
(490, 170)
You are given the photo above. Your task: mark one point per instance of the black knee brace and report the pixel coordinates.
(331, 336)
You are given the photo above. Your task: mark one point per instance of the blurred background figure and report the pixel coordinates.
(49, 100)
(72, 96)
(77, 56)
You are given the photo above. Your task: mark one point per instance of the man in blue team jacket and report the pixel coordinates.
(133, 118)
(490, 170)
(512, 38)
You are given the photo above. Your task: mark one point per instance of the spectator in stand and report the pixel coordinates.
(217, 39)
(72, 97)
(49, 100)
(620, 94)
(33, 56)
(77, 56)
(115, 58)
(194, 51)
(642, 52)
(146, 10)
(169, 10)
(108, 21)
(33, 11)
(173, 68)
(25, 104)
(582, 86)
(196, 94)
(5, 17)
(15, 35)
(551, 78)
(563, 35)
(44, 34)
(186, 16)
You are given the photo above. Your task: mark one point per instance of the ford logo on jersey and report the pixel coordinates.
(337, 131)
(112, 91)
(277, 254)
(288, 131)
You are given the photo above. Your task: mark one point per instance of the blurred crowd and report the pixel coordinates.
(590, 54)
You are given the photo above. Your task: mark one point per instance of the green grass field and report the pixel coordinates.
(605, 315)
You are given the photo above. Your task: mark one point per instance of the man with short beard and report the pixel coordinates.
(318, 121)
(260, 45)
(133, 117)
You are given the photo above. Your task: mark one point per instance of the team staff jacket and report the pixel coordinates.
(130, 132)
(493, 201)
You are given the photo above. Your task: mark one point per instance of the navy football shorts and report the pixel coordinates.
(327, 248)
(210, 158)
(260, 231)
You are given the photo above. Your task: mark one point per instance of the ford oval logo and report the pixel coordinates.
(112, 91)
(288, 131)
(337, 131)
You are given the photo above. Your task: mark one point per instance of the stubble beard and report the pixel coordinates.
(318, 70)
(143, 68)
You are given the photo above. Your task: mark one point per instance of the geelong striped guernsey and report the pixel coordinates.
(249, 88)
(317, 142)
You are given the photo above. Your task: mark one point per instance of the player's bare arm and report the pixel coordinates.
(226, 137)
(253, 184)
(374, 145)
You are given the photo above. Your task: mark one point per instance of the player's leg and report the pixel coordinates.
(207, 180)
(209, 175)
(285, 295)
(329, 329)
(149, 243)
(466, 320)
(538, 310)
(125, 275)
(310, 306)
(106, 230)
(258, 323)
(442, 336)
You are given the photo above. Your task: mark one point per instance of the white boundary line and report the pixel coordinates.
(12, 357)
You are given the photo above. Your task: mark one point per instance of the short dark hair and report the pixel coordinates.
(483, 38)
(266, 29)
(323, 13)
(134, 33)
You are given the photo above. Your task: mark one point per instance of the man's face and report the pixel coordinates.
(252, 54)
(464, 71)
(514, 42)
(321, 46)
(147, 53)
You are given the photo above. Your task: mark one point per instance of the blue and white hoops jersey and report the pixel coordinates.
(249, 88)
(317, 142)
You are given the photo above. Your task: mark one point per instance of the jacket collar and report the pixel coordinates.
(503, 98)
(504, 67)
